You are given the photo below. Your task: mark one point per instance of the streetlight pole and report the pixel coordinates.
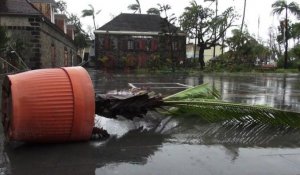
(214, 53)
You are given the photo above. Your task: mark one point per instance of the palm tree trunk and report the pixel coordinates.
(140, 10)
(286, 39)
(244, 12)
(94, 22)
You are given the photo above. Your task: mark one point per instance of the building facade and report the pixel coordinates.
(136, 40)
(40, 40)
(208, 53)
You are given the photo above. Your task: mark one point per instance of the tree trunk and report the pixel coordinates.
(94, 22)
(195, 45)
(244, 12)
(201, 56)
(171, 51)
(286, 39)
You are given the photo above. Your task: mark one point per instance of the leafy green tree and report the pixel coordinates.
(279, 7)
(153, 11)
(80, 40)
(81, 37)
(135, 7)
(283, 35)
(295, 32)
(91, 12)
(246, 49)
(169, 30)
(3, 38)
(201, 22)
(295, 53)
(75, 20)
(190, 26)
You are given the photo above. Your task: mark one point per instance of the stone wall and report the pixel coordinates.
(43, 44)
(19, 30)
(65, 52)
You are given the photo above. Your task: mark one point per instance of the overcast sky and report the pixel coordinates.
(111, 8)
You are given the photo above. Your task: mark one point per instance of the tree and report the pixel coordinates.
(295, 33)
(74, 20)
(245, 48)
(169, 30)
(135, 7)
(80, 40)
(202, 22)
(91, 12)
(295, 53)
(190, 26)
(153, 11)
(273, 43)
(279, 7)
(61, 6)
(3, 38)
(81, 37)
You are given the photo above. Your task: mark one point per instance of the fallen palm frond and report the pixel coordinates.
(198, 92)
(214, 111)
(201, 101)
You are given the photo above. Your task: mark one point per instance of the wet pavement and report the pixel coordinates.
(163, 145)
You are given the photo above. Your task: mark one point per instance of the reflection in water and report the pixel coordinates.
(83, 158)
(279, 91)
(193, 131)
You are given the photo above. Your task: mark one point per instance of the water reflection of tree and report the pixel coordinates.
(233, 135)
(279, 91)
(83, 158)
(283, 90)
(236, 134)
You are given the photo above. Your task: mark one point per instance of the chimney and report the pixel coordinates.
(46, 8)
(60, 21)
(70, 31)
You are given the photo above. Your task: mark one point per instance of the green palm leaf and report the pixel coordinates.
(214, 111)
(202, 101)
(87, 13)
(198, 92)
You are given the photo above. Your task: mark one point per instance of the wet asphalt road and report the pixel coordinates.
(163, 145)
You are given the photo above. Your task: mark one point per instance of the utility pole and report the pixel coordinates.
(214, 53)
(215, 30)
(258, 27)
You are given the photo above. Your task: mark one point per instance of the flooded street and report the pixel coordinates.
(163, 145)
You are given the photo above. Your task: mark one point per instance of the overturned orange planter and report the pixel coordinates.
(48, 105)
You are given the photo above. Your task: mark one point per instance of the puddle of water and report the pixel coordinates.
(164, 145)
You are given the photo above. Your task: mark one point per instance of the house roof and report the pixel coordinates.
(17, 7)
(25, 8)
(60, 16)
(135, 22)
(43, 1)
